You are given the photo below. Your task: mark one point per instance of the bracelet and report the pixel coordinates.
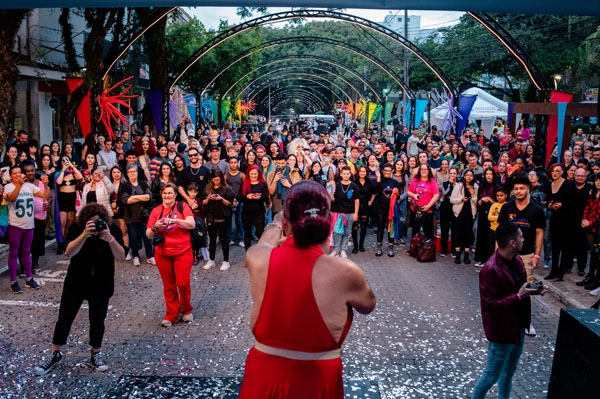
(85, 235)
(536, 256)
(111, 239)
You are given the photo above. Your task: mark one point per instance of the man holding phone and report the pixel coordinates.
(505, 310)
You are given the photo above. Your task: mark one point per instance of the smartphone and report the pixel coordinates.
(278, 170)
(535, 286)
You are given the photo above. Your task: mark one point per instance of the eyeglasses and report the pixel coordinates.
(193, 155)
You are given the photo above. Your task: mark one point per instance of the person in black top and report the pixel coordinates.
(583, 190)
(366, 189)
(195, 173)
(93, 243)
(344, 207)
(386, 188)
(446, 214)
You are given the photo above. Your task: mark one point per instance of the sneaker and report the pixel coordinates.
(343, 254)
(241, 244)
(151, 261)
(333, 253)
(188, 318)
(402, 241)
(231, 243)
(478, 264)
(390, 251)
(32, 284)
(209, 265)
(22, 275)
(36, 271)
(546, 266)
(224, 266)
(45, 367)
(97, 362)
(128, 257)
(136, 261)
(530, 332)
(166, 323)
(378, 252)
(15, 289)
(443, 254)
(595, 292)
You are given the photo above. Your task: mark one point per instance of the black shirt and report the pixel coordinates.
(384, 193)
(529, 219)
(199, 176)
(345, 195)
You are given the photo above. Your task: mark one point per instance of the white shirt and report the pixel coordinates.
(20, 212)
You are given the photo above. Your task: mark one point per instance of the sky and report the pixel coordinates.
(210, 16)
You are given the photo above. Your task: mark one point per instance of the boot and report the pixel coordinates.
(585, 281)
(457, 259)
(378, 252)
(594, 283)
(363, 235)
(466, 259)
(354, 241)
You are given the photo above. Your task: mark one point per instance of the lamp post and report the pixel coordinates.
(557, 79)
(385, 93)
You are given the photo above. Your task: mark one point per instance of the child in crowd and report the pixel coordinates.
(198, 211)
(495, 212)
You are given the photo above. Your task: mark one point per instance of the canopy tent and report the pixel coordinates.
(486, 109)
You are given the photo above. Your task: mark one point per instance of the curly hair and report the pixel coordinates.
(91, 210)
(140, 151)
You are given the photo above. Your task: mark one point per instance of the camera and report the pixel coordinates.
(158, 239)
(100, 224)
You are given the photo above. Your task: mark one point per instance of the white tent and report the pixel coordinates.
(486, 108)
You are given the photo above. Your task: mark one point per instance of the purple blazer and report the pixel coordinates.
(503, 313)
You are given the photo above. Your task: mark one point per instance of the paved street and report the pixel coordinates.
(424, 340)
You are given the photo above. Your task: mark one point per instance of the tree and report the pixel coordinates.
(10, 21)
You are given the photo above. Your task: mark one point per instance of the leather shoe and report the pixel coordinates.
(584, 282)
(355, 250)
(550, 277)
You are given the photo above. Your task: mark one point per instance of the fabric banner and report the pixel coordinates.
(420, 107)
(552, 133)
(465, 105)
(562, 113)
(155, 99)
(371, 107)
(509, 116)
(190, 103)
(387, 115)
(84, 110)
(404, 110)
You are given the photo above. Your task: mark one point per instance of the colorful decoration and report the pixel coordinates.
(108, 104)
(177, 109)
(448, 104)
(83, 111)
(208, 109)
(242, 108)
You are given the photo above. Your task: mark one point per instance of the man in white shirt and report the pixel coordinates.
(106, 158)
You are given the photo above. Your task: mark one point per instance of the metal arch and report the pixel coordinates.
(313, 58)
(302, 88)
(347, 82)
(303, 78)
(299, 76)
(306, 94)
(295, 68)
(305, 103)
(305, 39)
(155, 15)
(513, 46)
(295, 94)
(295, 14)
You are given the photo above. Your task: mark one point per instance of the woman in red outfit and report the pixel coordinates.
(173, 253)
(302, 303)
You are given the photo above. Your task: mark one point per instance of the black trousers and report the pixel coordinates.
(251, 219)
(426, 223)
(581, 248)
(70, 303)
(382, 222)
(219, 228)
(446, 220)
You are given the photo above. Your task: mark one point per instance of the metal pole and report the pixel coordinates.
(405, 96)
(269, 102)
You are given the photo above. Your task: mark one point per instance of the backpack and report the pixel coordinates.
(199, 234)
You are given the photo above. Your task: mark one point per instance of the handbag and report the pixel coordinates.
(426, 251)
(414, 244)
(338, 227)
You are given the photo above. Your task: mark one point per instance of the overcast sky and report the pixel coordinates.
(210, 16)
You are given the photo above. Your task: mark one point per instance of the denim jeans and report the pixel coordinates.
(236, 235)
(501, 366)
(137, 234)
(340, 241)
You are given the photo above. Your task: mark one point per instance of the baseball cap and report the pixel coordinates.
(213, 148)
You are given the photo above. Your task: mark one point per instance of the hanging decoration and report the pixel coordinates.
(374, 112)
(208, 109)
(109, 106)
(242, 108)
(177, 109)
(225, 104)
(447, 103)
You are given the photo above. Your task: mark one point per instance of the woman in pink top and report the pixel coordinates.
(424, 193)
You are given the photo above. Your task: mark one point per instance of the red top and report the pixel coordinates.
(177, 239)
(289, 316)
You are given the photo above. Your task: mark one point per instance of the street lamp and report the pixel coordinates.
(557, 79)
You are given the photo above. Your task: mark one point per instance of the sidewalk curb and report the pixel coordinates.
(4, 267)
(568, 301)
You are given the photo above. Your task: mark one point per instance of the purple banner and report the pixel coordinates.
(465, 105)
(155, 98)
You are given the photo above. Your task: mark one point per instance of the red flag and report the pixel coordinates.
(555, 97)
(84, 110)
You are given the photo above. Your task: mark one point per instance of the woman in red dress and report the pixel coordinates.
(302, 312)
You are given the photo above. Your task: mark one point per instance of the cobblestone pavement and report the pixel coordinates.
(424, 340)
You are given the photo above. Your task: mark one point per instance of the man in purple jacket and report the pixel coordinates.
(505, 310)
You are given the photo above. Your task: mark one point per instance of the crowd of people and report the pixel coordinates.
(157, 187)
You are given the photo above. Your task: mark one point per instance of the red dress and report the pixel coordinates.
(289, 318)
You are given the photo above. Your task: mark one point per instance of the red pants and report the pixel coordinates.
(175, 272)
